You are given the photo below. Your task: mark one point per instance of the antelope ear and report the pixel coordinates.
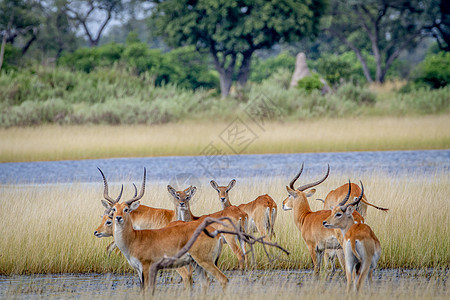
(214, 185)
(172, 191)
(231, 184)
(291, 192)
(310, 192)
(192, 191)
(350, 209)
(106, 204)
(134, 205)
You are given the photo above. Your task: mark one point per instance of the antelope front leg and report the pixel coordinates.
(312, 252)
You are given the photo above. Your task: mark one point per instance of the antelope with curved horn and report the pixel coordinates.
(334, 197)
(144, 217)
(142, 248)
(362, 249)
(316, 237)
(181, 200)
(262, 211)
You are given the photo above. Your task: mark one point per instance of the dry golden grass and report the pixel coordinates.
(324, 135)
(49, 228)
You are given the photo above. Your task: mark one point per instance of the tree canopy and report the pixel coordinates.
(231, 31)
(384, 28)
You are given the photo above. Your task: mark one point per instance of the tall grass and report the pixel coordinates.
(190, 138)
(49, 228)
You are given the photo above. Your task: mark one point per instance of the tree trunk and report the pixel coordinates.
(2, 51)
(244, 70)
(8, 30)
(225, 83)
(225, 72)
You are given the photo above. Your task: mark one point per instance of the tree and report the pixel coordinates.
(86, 12)
(231, 31)
(18, 18)
(389, 27)
(56, 33)
(439, 14)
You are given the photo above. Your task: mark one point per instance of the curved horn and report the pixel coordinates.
(348, 194)
(310, 185)
(359, 198)
(141, 194)
(291, 184)
(120, 194)
(135, 190)
(105, 192)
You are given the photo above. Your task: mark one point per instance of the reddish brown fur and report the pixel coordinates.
(262, 211)
(355, 234)
(238, 217)
(142, 248)
(334, 197)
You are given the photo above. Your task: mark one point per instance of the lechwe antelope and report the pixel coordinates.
(181, 200)
(316, 237)
(262, 211)
(361, 247)
(157, 218)
(144, 217)
(142, 248)
(335, 196)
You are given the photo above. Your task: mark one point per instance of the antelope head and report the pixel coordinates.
(182, 198)
(341, 214)
(223, 192)
(299, 193)
(122, 210)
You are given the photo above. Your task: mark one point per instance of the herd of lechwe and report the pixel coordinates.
(145, 235)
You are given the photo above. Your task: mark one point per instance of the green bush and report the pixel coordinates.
(191, 69)
(263, 69)
(335, 69)
(10, 58)
(434, 71)
(310, 83)
(357, 94)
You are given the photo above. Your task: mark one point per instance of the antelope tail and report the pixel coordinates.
(364, 200)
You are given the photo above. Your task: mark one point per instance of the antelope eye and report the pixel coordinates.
(125, 210)
(108, 223)
(338, 215)
(114, 209)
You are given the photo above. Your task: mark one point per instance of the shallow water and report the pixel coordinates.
(392, 283)
(225, 167)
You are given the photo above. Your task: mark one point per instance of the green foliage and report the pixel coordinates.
(263, 69)
(334, 68)
(115, 96)
(87, 59)
(310, 83)
(357, 94)
(11, 58)
(434, 71)
(191, 69)
(231, 29)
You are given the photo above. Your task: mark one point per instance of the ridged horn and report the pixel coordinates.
(357, 200)
(291, 184)
(105, 191)
(141, 194)
(348, 194)
(310, 185)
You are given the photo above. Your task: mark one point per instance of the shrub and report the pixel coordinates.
(356, 94)
(434, 70)
(310, 83)
(263, 69)
(334, 69)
